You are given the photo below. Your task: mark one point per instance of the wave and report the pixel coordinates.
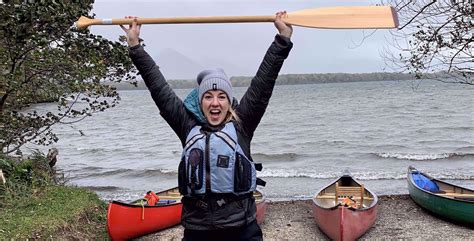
(447, 128)
(285, 173)
(120, 196)
(465, 149)
(158, 172)
(422, 156)
(372, 175)
(135, 173)
(101, 174)
(257, 157)
(102, 188)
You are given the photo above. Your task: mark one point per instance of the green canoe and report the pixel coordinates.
(444, 199)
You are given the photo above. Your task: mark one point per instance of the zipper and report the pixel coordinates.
(208, 177)
(208, 164)
(192, 183)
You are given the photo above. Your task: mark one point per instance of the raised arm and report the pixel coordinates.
(255, 100)
(170, 105)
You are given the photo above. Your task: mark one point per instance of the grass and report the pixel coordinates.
(59, 212)
(34, 206)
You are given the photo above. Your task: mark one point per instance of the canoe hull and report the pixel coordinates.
(457, 210)
(343, 223)
(126, 221)
(261, 208)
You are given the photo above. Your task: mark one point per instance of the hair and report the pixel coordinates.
(232, 115)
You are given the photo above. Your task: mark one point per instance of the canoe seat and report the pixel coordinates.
(173, 197)
(165, 202)
(350, 192)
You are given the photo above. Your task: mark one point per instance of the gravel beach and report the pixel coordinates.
(398, 218)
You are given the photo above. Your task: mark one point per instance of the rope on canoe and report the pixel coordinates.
(142, 203)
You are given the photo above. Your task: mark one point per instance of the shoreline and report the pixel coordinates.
(398, 217)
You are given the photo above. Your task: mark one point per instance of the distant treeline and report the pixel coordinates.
(287, 79)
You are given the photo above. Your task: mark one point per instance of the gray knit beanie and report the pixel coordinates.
(214, 79)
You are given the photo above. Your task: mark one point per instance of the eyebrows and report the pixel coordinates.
(215, 93)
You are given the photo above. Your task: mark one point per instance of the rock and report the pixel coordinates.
(2, 177)
(52, 157)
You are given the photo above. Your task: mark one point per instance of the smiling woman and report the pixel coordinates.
(215, 93)
(215, 106)
(216, 175)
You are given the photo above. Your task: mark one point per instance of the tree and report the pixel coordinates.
(434, 39)
(43, 58)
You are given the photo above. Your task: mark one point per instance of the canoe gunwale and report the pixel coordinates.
(144, 206)
(372, 204)
(178, 201)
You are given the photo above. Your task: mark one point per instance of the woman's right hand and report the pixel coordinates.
(133, 32)
(283, 28)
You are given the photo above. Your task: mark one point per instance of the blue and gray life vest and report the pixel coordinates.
(215, 162)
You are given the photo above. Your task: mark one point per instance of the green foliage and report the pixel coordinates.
(43, 58)
(24, 178)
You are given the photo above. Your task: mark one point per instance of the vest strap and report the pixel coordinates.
(261, 182)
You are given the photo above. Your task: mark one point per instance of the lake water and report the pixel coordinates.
(309, 135)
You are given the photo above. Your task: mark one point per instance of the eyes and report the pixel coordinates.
(220, 96)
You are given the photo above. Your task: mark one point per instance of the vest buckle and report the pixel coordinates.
(221, 202)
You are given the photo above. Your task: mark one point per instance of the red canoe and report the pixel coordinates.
(345, 210)
(131, 220)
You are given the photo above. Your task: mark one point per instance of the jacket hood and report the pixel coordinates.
(191, 103)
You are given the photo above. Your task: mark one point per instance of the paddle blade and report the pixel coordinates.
(357, 17)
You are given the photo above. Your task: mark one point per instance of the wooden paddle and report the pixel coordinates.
(365, 17)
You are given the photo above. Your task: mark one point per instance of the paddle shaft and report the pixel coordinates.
(185, 20)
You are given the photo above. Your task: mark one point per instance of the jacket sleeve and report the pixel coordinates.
(255, 100)
(170, 105)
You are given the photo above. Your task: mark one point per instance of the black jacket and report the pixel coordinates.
(250, 111)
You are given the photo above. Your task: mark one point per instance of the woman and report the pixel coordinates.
(216, 173)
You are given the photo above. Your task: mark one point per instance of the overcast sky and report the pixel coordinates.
(240, 47)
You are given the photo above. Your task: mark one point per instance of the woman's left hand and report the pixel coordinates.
(133, 32)
(283, 28)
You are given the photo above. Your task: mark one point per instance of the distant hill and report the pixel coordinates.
(288, 79)
(175, 65)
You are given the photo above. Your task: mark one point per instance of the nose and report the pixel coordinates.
(215, 101)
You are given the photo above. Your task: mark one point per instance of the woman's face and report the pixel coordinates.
(215, 105)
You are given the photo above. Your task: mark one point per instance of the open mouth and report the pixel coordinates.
(215, 113)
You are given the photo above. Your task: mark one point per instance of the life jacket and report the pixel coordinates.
(213, 161)
(151, 198)
(349, 202)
